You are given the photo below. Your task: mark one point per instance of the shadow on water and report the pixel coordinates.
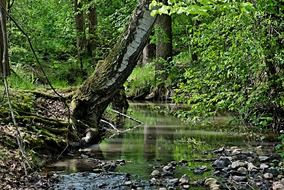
(162, 138)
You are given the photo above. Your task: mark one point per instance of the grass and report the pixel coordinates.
(141, 80)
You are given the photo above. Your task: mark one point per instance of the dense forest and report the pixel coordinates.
(69, 68)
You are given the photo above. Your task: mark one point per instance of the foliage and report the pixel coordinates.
(138, 84)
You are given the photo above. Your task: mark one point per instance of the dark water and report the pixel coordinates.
(160, 139)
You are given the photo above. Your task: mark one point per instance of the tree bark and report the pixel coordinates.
(97, 91)
(80, 30)
(4, 61)
(164, 37)
(92, 25)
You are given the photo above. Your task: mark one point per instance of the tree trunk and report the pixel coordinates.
(4, 61)
(149, 52)
(164, 37)
(97, 91)
(80, 30)
(92, 24)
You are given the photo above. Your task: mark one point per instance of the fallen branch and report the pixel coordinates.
(127, 116)
(110, 124)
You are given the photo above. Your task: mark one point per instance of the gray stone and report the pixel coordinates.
(155, 173)
(153, 180)
(184, 180)
(268, 175)
(251, 167)
(128, 183)
(239, 178)
(238, 164)
(185, 186)
(263, 166)
(242, 170)
(263, 158)
(167, 168)
(200, 170)
(222, 162)
(173, 181)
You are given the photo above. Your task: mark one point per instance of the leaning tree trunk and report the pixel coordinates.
(95, 94)
(4, 64)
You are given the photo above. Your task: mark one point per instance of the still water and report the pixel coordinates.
(160, 139)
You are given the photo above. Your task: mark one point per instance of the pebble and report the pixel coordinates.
(268, 175)
(184, 180)
(242, 170)
(162, 188)
(153, 180)
(263, 158)
(167, 168)
(251, 167)
(263, 166)
(222, 162)
(200, 170)
(185, 186)
(239, 178)
(173, 181)
(128, 183)
(155, 173)
(238, 164)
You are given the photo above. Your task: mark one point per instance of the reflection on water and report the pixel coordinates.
(160, 139)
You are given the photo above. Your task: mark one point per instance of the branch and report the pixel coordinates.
(124, 115)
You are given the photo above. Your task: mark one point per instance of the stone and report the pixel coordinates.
(128, 183)
(277, 185)
(263, 158)
(173, 181)
(184, 180)
(200, 170)
(239, 178)
(155, 173)
(218, 151)
(238, 164)
(167, 168)
(251, 167)
(268, 175)
(222, 162)
(273, 171)
(242, 170)
(263, 166)
(185, 186)
(162, 188)
(153, 180)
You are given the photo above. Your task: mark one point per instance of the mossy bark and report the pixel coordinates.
(96, 93)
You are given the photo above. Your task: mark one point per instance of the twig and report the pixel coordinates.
(127, 116)
(110, 124)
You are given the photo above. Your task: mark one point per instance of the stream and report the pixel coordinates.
(128, 159)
